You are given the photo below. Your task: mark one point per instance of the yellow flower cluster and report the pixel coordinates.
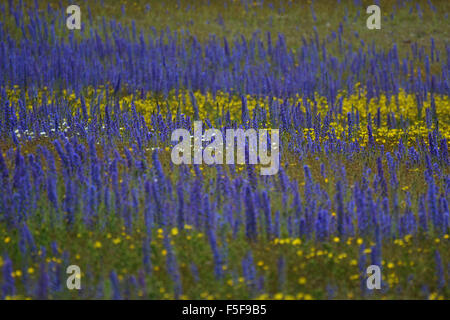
(218, 105)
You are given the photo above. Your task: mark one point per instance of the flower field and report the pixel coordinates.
(86, 176)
